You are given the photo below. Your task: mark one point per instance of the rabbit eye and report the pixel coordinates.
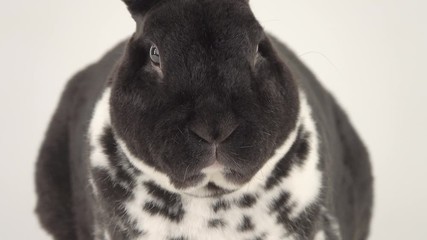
(155, 55)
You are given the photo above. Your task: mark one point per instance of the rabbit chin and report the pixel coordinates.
(214, 184)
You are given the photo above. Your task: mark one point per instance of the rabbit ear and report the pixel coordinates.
(141, 6)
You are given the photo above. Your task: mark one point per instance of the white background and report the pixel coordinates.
(370, 53)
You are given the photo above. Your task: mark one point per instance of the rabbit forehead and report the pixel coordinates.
(138, 7)
(190, 20)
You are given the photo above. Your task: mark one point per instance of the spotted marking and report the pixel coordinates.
(216, 223)
(174, 213)
(220, 205)
(246, 224)
(247, 201)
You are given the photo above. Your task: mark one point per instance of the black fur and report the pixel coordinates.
(140, 7)
(64, 200)
(212, 80)
(212, 89)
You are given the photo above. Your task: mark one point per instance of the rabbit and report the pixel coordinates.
(201, 126)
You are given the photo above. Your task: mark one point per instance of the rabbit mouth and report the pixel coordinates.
(215, 172)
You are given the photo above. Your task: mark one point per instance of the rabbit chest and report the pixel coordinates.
(283, 201)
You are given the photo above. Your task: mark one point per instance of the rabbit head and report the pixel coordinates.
(200, 95)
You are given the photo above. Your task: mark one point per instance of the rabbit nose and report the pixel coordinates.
(212, 136)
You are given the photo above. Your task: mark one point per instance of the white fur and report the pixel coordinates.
(107, 236)
(100, 120)
(320, 235)
(305, 182)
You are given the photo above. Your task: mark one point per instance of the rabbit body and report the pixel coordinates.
(133, 153)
